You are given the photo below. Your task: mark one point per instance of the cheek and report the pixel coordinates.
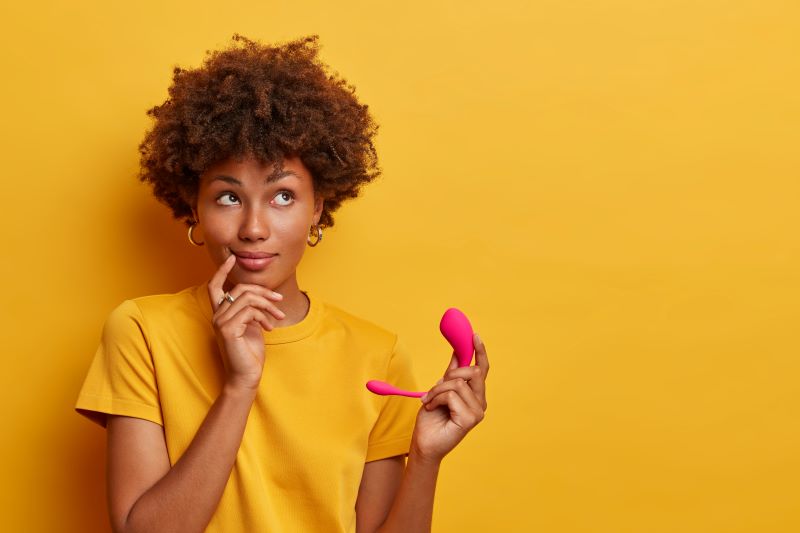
(219, 228)
(294, 233)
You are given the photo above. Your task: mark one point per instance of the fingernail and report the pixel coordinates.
(478, 338)
(441, 380)
(424, 397)
(277, 294)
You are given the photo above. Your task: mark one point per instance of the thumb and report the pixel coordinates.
(453, 362)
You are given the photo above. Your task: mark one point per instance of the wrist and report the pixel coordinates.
(239, 390)
(422, 459)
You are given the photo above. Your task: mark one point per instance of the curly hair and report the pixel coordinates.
(269, 102)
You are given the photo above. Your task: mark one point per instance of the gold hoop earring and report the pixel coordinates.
(191, 239)
(319, 235)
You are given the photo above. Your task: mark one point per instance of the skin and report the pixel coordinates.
(262, 216)
(258, 214)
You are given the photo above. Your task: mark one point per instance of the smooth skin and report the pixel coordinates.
(243, 205)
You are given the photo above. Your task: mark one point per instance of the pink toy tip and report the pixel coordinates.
(384, 389)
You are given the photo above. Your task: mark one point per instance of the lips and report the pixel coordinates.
(253, 255)
(254, 261)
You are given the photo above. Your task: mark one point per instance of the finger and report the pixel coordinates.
(215, 291)
(249, 299)
(254, 295)
(465, 372)
(481, 359)
(257, 317)
(241, 288)
(474, 377)
(237, 325)
(467, 393)
(222, 304)
(460, 386)
(460, 413)
(453, 363)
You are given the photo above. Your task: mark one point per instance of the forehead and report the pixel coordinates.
(249, 169)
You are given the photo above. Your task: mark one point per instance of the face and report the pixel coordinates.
(246, 208)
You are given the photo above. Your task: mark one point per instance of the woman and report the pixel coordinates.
(239, 404)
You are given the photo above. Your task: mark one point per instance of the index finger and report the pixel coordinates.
(215, 292)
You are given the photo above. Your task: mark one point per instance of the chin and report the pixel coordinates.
(264, 279)
(251, 277)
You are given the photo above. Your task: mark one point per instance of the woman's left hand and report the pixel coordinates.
(452, 407)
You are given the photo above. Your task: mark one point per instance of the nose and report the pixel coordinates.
(255, 225)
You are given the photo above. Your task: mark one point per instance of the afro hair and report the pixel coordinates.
(269, 102)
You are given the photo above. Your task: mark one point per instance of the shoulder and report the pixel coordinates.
(153, 307)
(166, 302)
(363, 328)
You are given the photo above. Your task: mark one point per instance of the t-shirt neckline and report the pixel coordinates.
(279, 335)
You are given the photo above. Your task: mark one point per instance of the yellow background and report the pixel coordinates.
(608, 189)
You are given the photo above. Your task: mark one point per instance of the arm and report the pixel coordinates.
(412, 509)
(451, 408)
(396, 497)
(145, 494)
(380, 482)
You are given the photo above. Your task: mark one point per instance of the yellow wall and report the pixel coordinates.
(609, 189)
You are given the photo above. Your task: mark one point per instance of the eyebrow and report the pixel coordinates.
(275, 176)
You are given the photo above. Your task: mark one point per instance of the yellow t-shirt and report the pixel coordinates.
(312, 426)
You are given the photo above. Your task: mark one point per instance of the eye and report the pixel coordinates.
(225, 195)
(285, 196)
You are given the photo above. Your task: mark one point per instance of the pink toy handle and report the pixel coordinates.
(384, 389)
(458, 331)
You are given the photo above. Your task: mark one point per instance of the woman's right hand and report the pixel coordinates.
(238, 326)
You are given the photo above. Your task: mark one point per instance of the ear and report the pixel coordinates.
(319, 203)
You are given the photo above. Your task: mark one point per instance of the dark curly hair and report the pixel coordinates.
(269, 102)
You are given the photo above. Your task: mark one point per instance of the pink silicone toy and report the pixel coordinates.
(457, 330)
(384, 389)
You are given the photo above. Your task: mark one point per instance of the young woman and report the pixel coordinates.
(239, 405)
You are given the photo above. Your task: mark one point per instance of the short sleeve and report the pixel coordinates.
(391, 434)
(121, 377)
